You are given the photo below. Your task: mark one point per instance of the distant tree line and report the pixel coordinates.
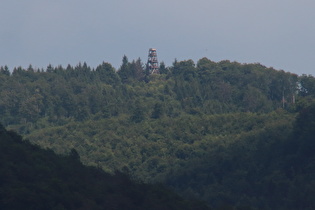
(33, 97)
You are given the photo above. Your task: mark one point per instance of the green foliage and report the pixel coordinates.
(220, 131)
(81, 93)
(268, 167)
(107, 74)
(163, 69)
(32, 178)
(137, 114)
(305, 132)
(5, 71)
(157, 111)
(307, 85)
(240, 159)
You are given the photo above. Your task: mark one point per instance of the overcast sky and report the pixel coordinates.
(275, 33)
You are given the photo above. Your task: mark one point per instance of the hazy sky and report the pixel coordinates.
(276, 33)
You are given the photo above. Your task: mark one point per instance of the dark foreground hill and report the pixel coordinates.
(33, 178)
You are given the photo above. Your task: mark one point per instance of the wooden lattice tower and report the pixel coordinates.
(153, 64)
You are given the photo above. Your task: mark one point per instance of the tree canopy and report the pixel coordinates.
(232, 134)
(33, 178)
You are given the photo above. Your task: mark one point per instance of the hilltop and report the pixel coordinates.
(224, 132)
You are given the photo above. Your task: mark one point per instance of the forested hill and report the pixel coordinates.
(224, 132)
(33, 178)
(37, 98)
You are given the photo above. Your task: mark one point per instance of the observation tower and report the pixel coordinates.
(153, 64)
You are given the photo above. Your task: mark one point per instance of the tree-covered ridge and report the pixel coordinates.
(32, 97)
(33, 178)
(221, 131)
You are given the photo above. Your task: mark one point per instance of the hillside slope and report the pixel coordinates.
(33, 178)
(271, 168)
(221, 131)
